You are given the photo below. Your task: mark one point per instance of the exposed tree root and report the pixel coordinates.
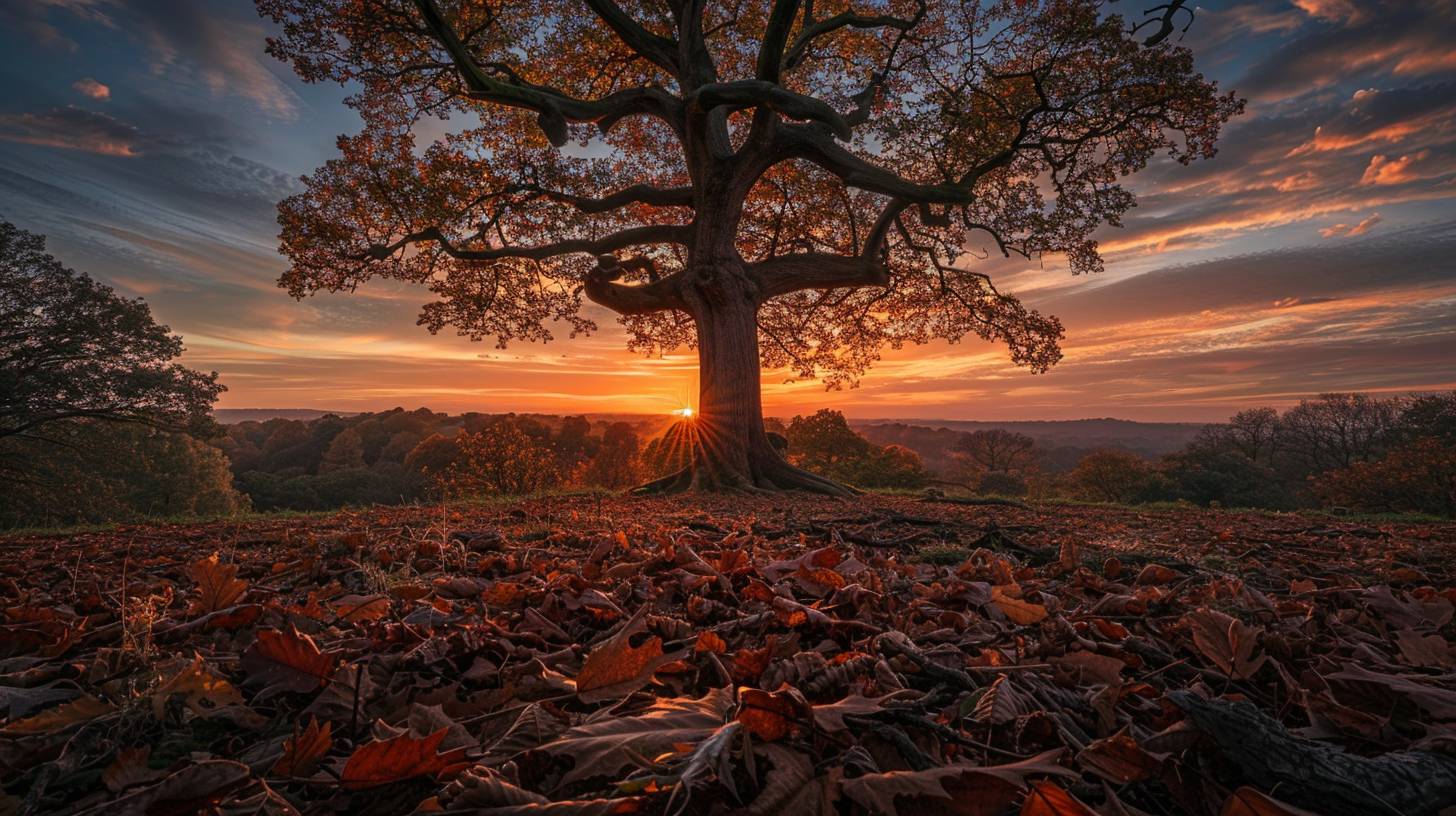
(767, 476)
(1318, 776)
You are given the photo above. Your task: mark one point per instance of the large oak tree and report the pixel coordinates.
(777, 182)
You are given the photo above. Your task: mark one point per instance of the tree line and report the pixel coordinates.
(1339, 450)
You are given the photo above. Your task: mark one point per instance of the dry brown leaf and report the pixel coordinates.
(129, 768)
(218, 586)
(288, 661)
(303, 750)
(384, 762)
(203, 691)
(1018, 611)
(1226, 641)
(771, 716)
(77, 711)
(616, 668)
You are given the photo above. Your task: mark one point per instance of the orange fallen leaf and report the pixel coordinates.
(1247, 801)
(218, 586)
(302, 751)
(1051, 799)
(63, 716)
(710, 642)
(1154, 574)
(771, 716)
(203, 691)
(287, 660)
(395, 760)
(616, 668)
(1018, 611)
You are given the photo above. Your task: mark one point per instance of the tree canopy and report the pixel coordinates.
(71, 348)
(786, 183)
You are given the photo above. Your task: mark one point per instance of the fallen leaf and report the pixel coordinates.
(288, 661)
(1226, 641)
(218, 586)
(1247, 801)
(203, 691)
(128, 769)
(616, 668)
(773, 715)
(303, 750)
(1050, 799)
(1018, 611)
(1120, 759)
(384, 762)
(77, 711)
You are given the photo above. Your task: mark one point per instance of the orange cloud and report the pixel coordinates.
(92, 88)
(1383, 170)
(1348, 231)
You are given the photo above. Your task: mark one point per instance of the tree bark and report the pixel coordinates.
(730, 448)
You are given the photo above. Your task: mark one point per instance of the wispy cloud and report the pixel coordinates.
(72, 128)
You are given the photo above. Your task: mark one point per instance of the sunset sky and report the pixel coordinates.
(151, 139)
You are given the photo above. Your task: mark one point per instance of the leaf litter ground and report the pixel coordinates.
(585, 655)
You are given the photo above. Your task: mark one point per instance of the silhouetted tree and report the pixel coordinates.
(71, 348)
(775, 184)
(1336, 430)
(993, 450)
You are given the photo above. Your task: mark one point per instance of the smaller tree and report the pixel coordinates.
(1110, 475)
(71, 348)
(1432, 416)
(345, 452)
(1336, 430)
(503, 459)
(617, 461)
(825, 444)
(1416, 477)
(1251, 433)
(890, 466)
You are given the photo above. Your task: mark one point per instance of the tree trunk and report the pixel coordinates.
(730, 449)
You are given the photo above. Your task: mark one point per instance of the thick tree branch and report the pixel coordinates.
(634, 236)
(655, 48)
(800, 48)
(636, 194)
(648, 298)
(815, 145)
(822, 270)
(775, 37)
(553, 108)
(746, 93)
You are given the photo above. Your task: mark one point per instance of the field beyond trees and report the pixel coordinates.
(714, 654)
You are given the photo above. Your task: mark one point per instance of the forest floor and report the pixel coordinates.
(712, 655)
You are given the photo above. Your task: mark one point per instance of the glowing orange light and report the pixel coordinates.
(685, 413)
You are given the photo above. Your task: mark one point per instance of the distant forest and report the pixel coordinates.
(1347, 451)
